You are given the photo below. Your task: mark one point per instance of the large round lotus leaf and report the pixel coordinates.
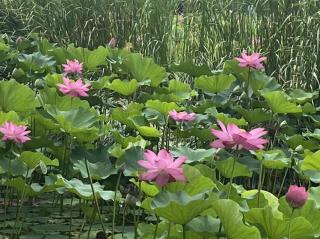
(50, 96)
(225, 168)
(204, 225)
(297, 140)
(275, 159)
(191, 69)
(162, 107)
(229, 120)
(19, 184)
(279, 102)
(122, 115)
(179, 207)
(276, 228)
(254, 116)
(143, 68)
(80, 123)
(123, 87)
(193, 155)
(309, 211)
(98, 163)
(130, 158)
(143, 127)
(16, 97)
(215, 83)
(180, 90)
(11, 116)
(311, 166)
(196, 182)
(232, 220)
(34, 159)
(36, 62)
(300, 96)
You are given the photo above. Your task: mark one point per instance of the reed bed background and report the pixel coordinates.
(208, 31)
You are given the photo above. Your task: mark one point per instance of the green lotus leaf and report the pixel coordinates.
(163, 107)
(308, 108)
(34, 159)
(143, 68)
(228, 120)
(254, 116)
(179, 207)
(278, 228)
(196, 182)
(16, 97)
(266, 199)
(296, 140)
(80, 123)
(147, 231)
(232, 220)
(180, 90)
(225, 168)
(130, 158)
(126, 141)
(275, 159)
(84, 191)
(53, 79)
(14, 167)
(98, 163)
(143, 127)
(91, 59)
(149, 189)
(311, 166)
(232, 67)
(123, 87)
(300, 96)
(215, 83)
(49, 96)
(36, 62)
(196, 155)
(204, 225)
(202, 134)
(279, 102)
(20, 185)
(191, 69)
(11, 116)
(260, 81)
(122, 115)
(309, 211)
(314, 194)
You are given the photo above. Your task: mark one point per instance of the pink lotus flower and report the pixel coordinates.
(251, 140)
(74, 89)
(234, 137)
(162, 168)
(296, 196)
(182, 116)
(73, 66)
(13, 132)
(253, 61)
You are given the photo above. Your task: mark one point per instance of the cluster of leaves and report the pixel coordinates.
(77, 141)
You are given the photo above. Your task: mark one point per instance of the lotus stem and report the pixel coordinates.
(115, 205)
(282, 183)
(94, 195)
(260, 183)
(231, 178)
(289, 229)
(156, 229)
(184, 231)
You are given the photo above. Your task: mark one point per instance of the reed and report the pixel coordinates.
(287, 31)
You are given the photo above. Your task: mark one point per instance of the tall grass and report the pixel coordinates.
(287, 31)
